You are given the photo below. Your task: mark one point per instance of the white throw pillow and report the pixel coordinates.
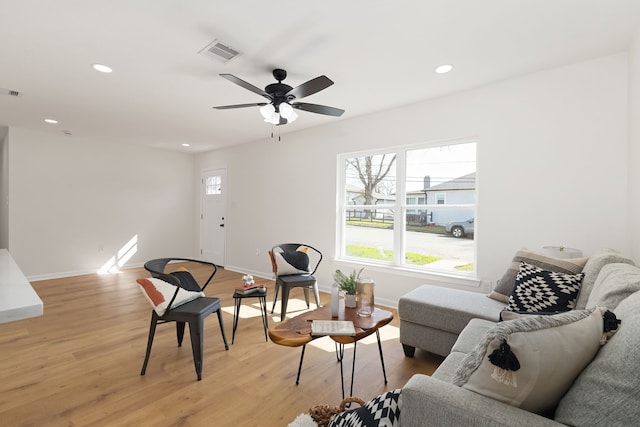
(551, 352)
(159, 294)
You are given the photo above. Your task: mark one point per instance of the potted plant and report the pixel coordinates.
(347, 284)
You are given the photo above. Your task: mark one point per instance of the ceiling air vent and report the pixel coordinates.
(9, 92)
(220, 51)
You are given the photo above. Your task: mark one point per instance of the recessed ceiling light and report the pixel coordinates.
(186, 145)
(102, 68)
(444, 68)
(51, 121)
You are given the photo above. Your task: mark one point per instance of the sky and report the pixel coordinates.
(441, 164)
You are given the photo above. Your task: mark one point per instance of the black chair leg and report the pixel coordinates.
(152, 331)
(263, 311)
(196, 331)
(306, 296)
(180, 332)
(284, 302)
(316, 294)
(224, 336)
(236, 315)
(275, 296)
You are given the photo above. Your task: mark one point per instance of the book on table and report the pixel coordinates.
(249, 289)
(333, 327)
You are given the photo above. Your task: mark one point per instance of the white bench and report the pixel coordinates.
(18, 300)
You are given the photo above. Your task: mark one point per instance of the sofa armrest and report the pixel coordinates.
(427, 401)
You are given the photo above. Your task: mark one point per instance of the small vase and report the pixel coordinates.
(365, 298)
(350, 301)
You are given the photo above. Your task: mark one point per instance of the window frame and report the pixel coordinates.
(400, 208)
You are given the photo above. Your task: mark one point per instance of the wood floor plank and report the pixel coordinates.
(79, 364)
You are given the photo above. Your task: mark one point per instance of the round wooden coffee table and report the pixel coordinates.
(296, 332)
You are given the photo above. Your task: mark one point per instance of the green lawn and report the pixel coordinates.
(387, 255)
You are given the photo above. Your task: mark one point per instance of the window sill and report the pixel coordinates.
(436, 277)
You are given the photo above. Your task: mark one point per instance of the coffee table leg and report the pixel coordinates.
(384, 372)
(300, 365)
(340, 352)
(353, 367)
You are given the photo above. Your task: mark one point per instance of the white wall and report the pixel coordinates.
(634, 144)
(74, 203)
(552, 170)
(4, 188)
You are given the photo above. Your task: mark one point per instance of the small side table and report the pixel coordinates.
(262, 299)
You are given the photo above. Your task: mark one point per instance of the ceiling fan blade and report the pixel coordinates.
(246, 85)
(320, 109)
(228, 107)
(310, 87)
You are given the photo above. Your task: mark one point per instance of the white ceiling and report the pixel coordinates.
(380, 54)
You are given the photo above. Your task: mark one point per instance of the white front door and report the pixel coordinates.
(213, 215)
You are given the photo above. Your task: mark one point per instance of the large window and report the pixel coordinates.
(412, 207)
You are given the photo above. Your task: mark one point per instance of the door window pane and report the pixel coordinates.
(213, 185)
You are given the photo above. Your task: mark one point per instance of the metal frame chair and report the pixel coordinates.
(193, 312)
(290, 281)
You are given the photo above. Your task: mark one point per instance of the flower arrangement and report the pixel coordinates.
(347, 283)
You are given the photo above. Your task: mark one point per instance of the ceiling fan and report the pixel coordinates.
(280, 108)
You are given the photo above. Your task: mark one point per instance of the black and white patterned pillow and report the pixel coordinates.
(291, 262)
(381, 411)
(538, 290)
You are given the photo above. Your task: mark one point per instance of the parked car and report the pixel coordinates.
(460, 228)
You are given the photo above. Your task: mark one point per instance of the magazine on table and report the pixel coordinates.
(333, 327)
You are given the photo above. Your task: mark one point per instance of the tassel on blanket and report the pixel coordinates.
(506, 363)
(610, 327)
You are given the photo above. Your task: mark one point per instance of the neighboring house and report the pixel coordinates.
(458, 191)
(355, 196)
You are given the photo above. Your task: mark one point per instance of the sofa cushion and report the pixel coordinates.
(607, 391)
(446, 309)
(538, 290)
(592, 269)
(471, 334)
(505, 284)
(614, 283)
(449, 366)
(548, 353)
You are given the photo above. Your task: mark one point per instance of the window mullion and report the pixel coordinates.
(399, 216)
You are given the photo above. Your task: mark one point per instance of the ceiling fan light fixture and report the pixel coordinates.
(292, 117)
(286, 110)
(267, 111)
(274, 119)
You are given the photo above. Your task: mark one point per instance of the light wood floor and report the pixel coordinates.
(79, 364)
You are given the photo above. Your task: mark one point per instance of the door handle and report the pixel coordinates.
(221, 225)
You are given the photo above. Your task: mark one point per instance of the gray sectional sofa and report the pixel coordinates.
(452, 323)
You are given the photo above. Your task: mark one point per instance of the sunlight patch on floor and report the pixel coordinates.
(246, 310)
